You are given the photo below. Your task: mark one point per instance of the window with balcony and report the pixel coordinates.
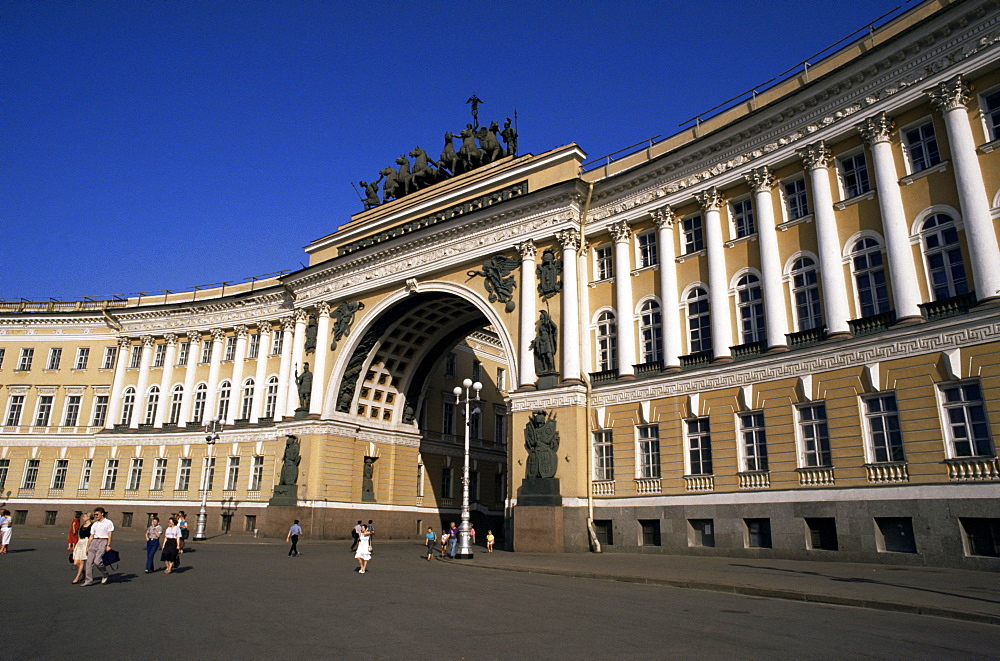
(15, 408)
(699, 321)
(699, 442)
(967, 429)
(750, 308)
(869, 277)
(814, 436)
(128, 406)
(945, 266)
(604, 456)
(805, 294)
(753, 441)
(651, 331)
(648, 451)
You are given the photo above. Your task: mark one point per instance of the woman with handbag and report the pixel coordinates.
(80, 548)
(171, 539)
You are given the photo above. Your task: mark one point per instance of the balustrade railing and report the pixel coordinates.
(748, 350)
(652, 367)
(604, 488)
(699, 482)
(647, 485)
(806, 338)
(948, 307)
(755, 480)
(819, 476)
(973, 469)
(697, 359)
(887, 473)
(872, 324)
(605, 376)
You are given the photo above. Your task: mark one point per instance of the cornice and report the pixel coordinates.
(570, 396)
(147, 439)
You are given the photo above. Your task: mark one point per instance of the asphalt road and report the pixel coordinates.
(250, 601)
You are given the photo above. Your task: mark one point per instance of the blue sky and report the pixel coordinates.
(163, 145)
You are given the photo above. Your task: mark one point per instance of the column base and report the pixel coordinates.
(285, 494)
(538, 530)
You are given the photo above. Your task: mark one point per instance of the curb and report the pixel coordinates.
(769, 593)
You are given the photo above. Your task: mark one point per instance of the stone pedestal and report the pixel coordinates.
(285, 494)
(301, 413)
(539, 492)
(538, 529)
(547, 381)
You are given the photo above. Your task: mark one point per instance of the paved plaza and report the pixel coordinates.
(238, 598)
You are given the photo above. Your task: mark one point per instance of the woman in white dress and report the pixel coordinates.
(80, 550)
(5, 530)
(364, 552)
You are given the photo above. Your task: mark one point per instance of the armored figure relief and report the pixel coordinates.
(542, 441)
(343, 318)
(311, 330)
(509, 136)
(304, 382)
(290, 461)
(367, 481)
(548, 275)
(499, 283)
(545, 344)
(371, 193)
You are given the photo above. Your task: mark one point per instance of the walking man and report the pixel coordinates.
(371, 534)
(356, 534)
(293, 537)
(100, 542)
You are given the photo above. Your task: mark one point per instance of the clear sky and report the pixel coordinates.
(147, 146)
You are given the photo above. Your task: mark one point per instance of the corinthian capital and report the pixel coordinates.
(620, 232)
(663, 218)
(323, 309)
(710, 200)
(218, 334)
(951, 95)
(760, 179)
(877, 129)
(170, 339)
(816, 155)
(124, 343)
(527, 250)
(194, 337)
(147, 340)
(241, 331)
(569, 239)
(287, 323)
(300, 316)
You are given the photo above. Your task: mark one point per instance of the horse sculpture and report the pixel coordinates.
(449, 157)
(392, 188)
(404, 176)
(489, 144)
(424, 173)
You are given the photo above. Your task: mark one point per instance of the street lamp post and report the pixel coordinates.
(212, 427)
(464, 550)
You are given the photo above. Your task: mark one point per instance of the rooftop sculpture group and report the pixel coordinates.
(480, 145)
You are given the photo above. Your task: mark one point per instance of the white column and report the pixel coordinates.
(711, 202)
(877, 131)
(663, 219)
(168, 375)
(190, 375)
(285, 369)
(622, 236)
(115, 402)
(298, 355)
(239, 356)
(214, 367)
(949, 99)
(570, 306)
(145, 361)
(761, 182)
(526, 328)
(319, 360)
(260, 376)
(816, 158)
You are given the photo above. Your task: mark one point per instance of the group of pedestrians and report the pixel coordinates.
(362, 545)
(449, 541)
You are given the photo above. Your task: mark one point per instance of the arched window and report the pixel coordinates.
(869, 277)
(699, 321)
(750, 306)
(805, 293)
(607, 342)
(200, 400)
(271, 401)
(225, 392)
(945, 267)
(176, 398)
(651, 331)
(152, 402)
(246, 403)
(128, 405)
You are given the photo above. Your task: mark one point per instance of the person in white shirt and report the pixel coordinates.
(100, 542)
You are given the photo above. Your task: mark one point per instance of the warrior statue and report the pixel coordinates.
(542, 441)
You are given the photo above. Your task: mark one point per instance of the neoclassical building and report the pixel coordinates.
(774, 334)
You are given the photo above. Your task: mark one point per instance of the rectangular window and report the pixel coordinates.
(183, 473)
(30, 473)
(758, 533)
(24, 361)
(183, 349)
(650, 532)
(476, 423)
(110, 474)
(753, 441)
(59, 474)
(279, 342)
(50, 517)
(206, 352)
(232, 473)
(257, 474)
(135, 357)
(647, 250)
(500, 426)
(501, 379)
(604, 256)
(450, 365)
(4, 467)
(208, 474)
(742, 214)
(921, 147)
(499, 489)
(20, 517)
(250, 523)
(605, 531)
(126, 519)
(3, 352)
(159, 355)
(701, 533)
(982, 536)
(895, 535)
(420, 480)
(822, 534)
(44, 410)
(882, 424)
(82, 358)
(230, 353)
(101, 410)
(854, 174)
(88, 465)
(134, 474)
(448, 419)
(796, 202)
(991, 112)
(693, 236)
(253, 348)
(815, 435)
(604, 456)
(110, 353)
(55, 356)
(446, 475)
(473, 486)
(649, 451)
(72, 410)
(699, 446)
(966, 426)
(14, 410)
(477, 370)
(159, 474)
